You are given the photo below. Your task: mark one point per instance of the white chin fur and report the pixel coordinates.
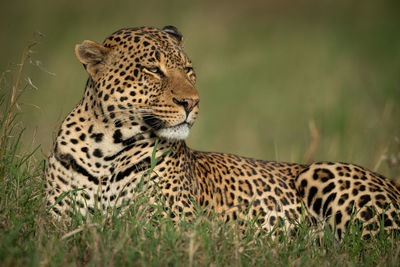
(179, 132)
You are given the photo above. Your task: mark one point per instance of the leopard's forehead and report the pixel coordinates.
(144, 41)
(127, 35)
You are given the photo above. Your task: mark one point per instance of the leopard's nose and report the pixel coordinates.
(187, 103)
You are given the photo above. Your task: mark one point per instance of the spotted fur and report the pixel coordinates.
(141, 87)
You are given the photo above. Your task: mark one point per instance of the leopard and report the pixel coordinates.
(140, 103)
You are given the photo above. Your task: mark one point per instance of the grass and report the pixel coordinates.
(268, 74)
(30, 237)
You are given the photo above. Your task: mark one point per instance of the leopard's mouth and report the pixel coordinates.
(153, 122)
(176, 132)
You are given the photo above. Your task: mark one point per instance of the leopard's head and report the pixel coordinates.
(142, 76)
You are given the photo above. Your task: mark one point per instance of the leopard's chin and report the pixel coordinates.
(177, 132)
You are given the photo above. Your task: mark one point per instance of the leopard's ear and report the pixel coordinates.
(174, 32)
(92, 55)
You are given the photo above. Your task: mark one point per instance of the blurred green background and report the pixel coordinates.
(266, 70)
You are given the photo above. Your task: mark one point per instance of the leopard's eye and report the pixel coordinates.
(155, 70)
(190, 73)
(188, 69)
